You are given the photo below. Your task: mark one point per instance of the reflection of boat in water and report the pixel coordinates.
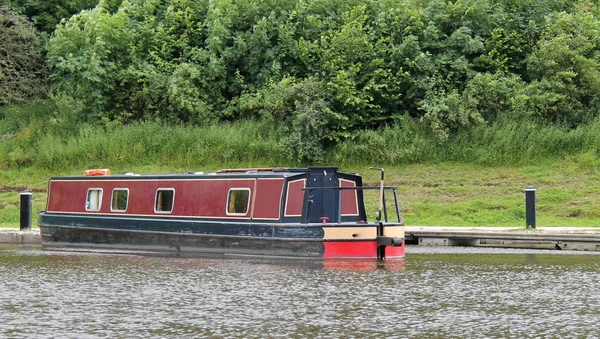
(363, 265)
(314, 212)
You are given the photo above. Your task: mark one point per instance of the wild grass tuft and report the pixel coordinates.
(500, 143)
(151, 143)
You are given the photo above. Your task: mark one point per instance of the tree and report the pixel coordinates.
(46, 14)
(88, 56)
(22, 70)
(565, 68)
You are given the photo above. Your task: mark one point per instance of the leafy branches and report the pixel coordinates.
(326, 69)
(22, 68)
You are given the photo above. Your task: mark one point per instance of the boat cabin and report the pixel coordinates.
(269, 195)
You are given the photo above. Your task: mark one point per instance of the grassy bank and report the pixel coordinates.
(475, 177)
(446, 194)
(30, 139)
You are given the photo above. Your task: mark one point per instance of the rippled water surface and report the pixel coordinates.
(434, 293)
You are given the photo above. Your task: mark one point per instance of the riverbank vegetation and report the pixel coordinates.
(441, 194)
(454, 98)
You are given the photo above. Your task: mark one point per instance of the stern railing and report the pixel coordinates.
(382, 240)
(308, 199)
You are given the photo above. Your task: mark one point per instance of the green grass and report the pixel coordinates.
(452, 194)
(151, 143)
(474, 178)
(446, 194)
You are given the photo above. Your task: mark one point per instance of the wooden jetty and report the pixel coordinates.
(14, 236)
(559, 238)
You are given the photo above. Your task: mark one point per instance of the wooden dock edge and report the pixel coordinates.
(557, 238)
(14, 236)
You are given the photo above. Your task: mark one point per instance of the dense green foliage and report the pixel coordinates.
(399, 81)
(325, 69)
(46, 14)
(22, 69)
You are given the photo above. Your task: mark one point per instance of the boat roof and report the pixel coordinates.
(278, 172)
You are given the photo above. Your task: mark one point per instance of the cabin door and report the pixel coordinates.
(324, 201)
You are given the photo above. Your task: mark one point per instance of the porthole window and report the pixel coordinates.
(120, 197)
(164, 200)
(94, 199)
(238, 201)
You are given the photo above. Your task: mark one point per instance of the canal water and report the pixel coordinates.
(445, 292)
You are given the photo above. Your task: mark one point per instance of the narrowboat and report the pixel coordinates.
(314, 212)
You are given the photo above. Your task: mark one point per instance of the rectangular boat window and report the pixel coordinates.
(94, 199)
(164, 200)
(238, 201)
(119, 200)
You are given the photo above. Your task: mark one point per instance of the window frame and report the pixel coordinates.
(247, 203)
(87, 199)
(156, 200)
(112, 197)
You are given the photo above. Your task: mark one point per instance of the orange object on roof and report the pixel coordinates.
(97, 171)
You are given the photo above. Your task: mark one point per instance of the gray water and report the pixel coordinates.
(434, 293)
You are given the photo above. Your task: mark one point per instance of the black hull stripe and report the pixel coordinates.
(93, 238)
(211, 227)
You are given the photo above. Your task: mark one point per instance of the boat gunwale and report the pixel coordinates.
(210, 235)
(226, 221)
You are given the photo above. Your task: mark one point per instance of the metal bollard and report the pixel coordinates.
(26, 202)
(530, 206)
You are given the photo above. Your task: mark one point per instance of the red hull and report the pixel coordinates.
(359, 250)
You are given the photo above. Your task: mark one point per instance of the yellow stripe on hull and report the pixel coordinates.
(349, 232)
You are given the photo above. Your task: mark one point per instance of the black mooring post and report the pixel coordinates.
(25, 210)
(530, 206)
(380, 248)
